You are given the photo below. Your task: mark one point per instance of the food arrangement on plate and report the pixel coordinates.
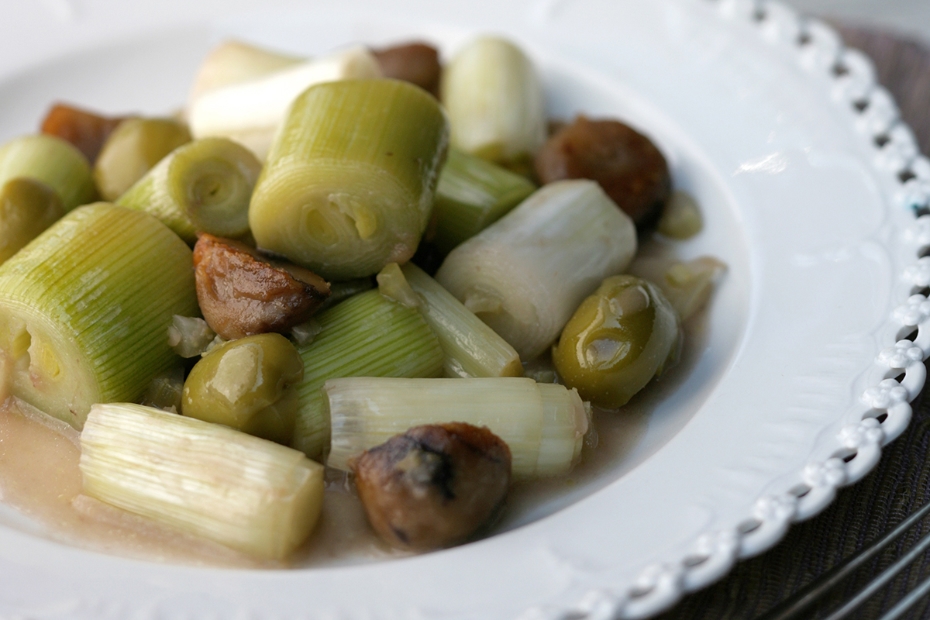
(350, 261)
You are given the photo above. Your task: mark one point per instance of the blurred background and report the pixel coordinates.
(909, 17)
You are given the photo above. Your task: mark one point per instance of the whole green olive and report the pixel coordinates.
(618, 339)
(248, 384)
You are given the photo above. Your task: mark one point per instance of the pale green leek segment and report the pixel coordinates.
(471, 348)
(473, 194)
(202, 186)
(27, 207)
(366, 335)
(251, 112)
(85, 310)
(540, 424)
(204, 479)
(495, 102)
(348, 185)
(527, 273)
(52, 161)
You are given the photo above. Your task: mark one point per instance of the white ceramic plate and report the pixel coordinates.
(764, 117)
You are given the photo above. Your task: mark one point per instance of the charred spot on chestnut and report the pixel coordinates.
(435, 485)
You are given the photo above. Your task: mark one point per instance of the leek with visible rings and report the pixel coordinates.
(525, 274)
(202, 186)
(544, 425)
(85, 309)
(348, 186)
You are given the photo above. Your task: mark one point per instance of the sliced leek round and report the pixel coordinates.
(349, 182)
(85, 310)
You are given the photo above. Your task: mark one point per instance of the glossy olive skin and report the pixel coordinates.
(248, 384)
(618, 339)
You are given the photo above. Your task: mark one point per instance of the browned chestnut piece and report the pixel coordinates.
(434, 486)
(86, 130)
(626, 164)
(417, 63)
(242, 293)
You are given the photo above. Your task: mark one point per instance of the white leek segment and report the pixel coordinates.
(525, 274)
(367, 335)
(85, 310)
(543, 425)
(52, 161)
(495, 102)
(251, 112)
(471, 348)
(201, 478)
(232, 62)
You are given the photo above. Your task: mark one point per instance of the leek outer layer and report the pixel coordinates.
(365, 336)
(348, 186)
(27, 207)
(251, 112)
(542, 424)
(471, 348)
(495, 102)
(473, 194)
(525, 274)
(52, 161)
(202, 186)
(204, 479)
(85, 310)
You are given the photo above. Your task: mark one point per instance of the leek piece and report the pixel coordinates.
(686, 285)
(232, 62)
(367, 335)
(202, 186)
(52, 161)
(495, 102)
(471, 348)
(134, 147)
(473, 194)
(535, 422)
(525, 274)
(348, 186)
(201, 478)
(251, 112)
(27, 207)
(85, 308)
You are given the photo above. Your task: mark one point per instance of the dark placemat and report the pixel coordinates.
(901, 481)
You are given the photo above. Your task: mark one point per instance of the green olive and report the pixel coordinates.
(134, 147)
(618, 339)
(248, 384)
(27, 207)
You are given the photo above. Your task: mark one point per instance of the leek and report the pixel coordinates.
(250, 112)
(27, 207)
(201, 478)
(495, 102)
(473, 194)
(348, 186)
(541, 424)
(202, 186)
(233, 62)
(85, 308)
(525, 275)
(365, 336)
